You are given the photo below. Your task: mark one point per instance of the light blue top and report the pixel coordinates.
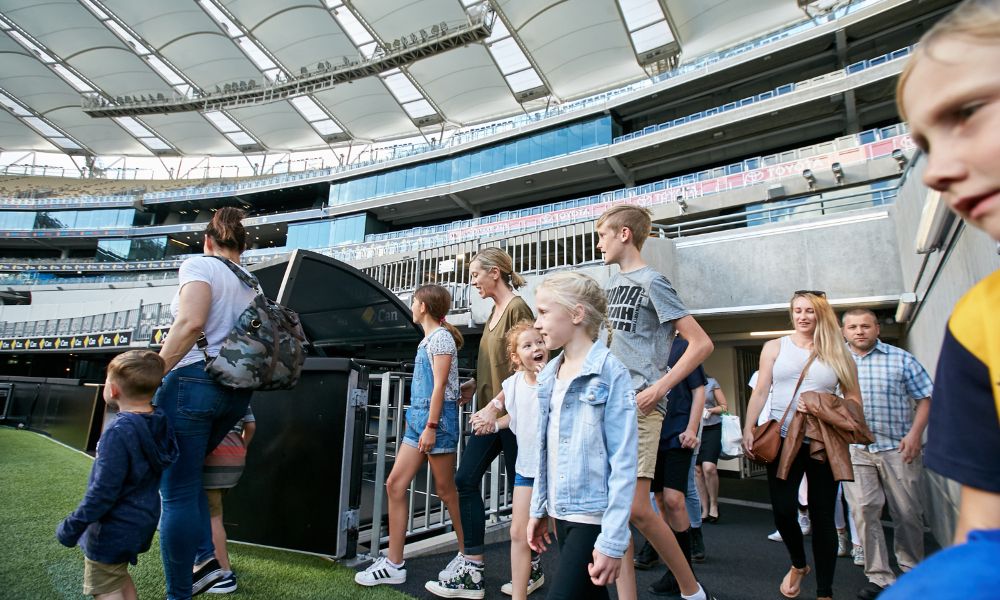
(597, 464)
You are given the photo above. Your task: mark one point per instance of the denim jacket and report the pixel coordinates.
(598, 432)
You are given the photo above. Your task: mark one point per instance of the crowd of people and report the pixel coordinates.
(598, 399)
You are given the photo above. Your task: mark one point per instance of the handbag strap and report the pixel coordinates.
(802, 376)
(247, 279)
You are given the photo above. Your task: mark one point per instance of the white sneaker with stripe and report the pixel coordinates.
(380, 573)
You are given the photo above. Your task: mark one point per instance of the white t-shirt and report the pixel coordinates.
(521, 401)
(230, 297)
(552, 442)
(765, 412)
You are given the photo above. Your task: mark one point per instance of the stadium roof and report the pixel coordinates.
(56, 53)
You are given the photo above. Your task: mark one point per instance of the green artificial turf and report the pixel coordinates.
(41, 482)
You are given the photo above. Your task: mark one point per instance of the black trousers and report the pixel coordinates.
(576, 551)
(480, 450)
(822, 500)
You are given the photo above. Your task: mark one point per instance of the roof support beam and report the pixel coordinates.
(623, 174)
(464, 204)
(325, 79)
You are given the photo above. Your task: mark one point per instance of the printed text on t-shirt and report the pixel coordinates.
(623, 304)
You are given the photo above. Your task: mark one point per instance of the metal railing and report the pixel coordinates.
(783, 211)
(388, 399)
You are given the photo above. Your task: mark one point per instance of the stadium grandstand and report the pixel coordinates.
(400, 138)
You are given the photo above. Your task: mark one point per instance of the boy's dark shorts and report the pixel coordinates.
(100, 578)
(672, 466)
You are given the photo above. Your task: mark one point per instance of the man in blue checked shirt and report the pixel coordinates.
(890, 469)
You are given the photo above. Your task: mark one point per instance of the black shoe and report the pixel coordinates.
(870, 591)
(697, 545)
(646, 558)
(666, 586)
(206, 576)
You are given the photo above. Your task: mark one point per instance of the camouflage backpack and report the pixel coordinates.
(265, 349)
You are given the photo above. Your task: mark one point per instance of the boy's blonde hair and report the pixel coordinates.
(495, 257)
(137, 372)
(570, 289)
(977, 20)
(828, 340)
(638, 219)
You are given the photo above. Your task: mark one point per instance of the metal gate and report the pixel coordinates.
(747, 362)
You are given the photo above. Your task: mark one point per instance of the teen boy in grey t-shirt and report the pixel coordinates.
(642, 308)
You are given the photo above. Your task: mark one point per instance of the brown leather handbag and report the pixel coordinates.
(767, 437)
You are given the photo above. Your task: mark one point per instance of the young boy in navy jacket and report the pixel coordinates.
(118, 515)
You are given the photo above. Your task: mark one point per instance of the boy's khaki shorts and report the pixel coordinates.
(649, 442)
(100, 578)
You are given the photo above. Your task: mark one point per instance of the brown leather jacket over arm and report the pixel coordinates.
(832, 424)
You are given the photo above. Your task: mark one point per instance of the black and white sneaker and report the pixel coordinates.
(381, 572)
(226, 585)
(206, 576)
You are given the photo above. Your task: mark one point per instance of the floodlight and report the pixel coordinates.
(807, 174)
(934, 221)
(838, 172)
(907, 304)
(900, 157)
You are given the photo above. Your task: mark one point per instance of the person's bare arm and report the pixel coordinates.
(249, 428)
(194, 301)
(759, 396)
(699, 348)
(912, 442)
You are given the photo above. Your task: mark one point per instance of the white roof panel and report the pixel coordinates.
(279, 126)
(592, 50)
(367, 110)
(573, 47)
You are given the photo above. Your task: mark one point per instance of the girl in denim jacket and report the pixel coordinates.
(588, 448)
(431, 430)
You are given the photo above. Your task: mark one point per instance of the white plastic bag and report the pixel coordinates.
(732, 436)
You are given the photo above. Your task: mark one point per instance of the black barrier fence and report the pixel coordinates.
(65, 409)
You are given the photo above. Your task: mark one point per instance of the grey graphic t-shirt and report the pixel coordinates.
(642, 308)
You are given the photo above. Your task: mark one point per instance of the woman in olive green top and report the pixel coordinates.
(491, 272)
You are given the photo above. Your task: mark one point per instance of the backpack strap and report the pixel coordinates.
(247, 279)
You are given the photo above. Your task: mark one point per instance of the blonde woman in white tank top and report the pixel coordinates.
(781, 362)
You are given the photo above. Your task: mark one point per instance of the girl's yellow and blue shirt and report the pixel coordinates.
(963, 434)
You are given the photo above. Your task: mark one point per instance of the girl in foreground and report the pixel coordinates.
(588, 451)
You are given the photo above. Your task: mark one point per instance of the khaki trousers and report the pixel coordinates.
(881, 477)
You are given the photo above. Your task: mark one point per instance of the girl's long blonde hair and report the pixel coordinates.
(570, 289)
(828, 340)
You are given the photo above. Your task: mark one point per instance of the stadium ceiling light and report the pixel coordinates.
(807, 174)
(935, 218)
(907, 305)
(838, 172)
(900, 157)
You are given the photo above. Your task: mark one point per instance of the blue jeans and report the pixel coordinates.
(691, 500)
(201, 412)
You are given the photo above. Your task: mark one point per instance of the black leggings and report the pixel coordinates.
(822, 500)
(479, 452)
(576, 551)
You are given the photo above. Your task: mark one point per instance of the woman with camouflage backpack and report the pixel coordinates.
(209, 300)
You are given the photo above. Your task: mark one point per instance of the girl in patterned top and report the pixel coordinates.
(431, 429)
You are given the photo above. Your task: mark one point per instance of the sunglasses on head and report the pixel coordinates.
(819, 293)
